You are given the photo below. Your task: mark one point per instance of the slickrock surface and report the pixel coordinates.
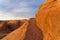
(28, 31)
(48, 19)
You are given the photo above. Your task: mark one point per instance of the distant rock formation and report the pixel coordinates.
(28, 31)
(10, 25)
(13, 24)
(3, 27)
(48, 19)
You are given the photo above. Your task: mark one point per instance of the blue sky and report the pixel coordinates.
(18, 9)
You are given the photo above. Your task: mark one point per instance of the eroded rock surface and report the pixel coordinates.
(48, 20)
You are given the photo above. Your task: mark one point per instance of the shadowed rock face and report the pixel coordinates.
(9, 26)
(3, 26)
(28, 31)
(13, 24)
(33, 32)
(48, 20)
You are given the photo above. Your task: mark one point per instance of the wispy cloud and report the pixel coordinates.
(11, 9)
(5, 15)
(9, 16)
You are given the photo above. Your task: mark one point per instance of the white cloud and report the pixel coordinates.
(1, 1)
(9, 16)
(18, 10)
(5, 15)
(23, 4)
(22, 10)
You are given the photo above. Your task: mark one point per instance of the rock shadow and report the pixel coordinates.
(33, 32)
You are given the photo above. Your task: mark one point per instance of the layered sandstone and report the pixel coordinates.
(28, 31)
(48, 19)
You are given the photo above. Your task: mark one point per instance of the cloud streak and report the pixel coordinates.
(11, 9)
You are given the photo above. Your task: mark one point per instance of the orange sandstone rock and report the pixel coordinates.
(48, 20)
(51, 0)
(28, 31)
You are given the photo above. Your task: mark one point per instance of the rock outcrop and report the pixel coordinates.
(3, 27)
(48, 19)
(13, 24)
(28, 31)
(10, 25)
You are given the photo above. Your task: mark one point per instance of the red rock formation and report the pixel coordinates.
(48, 19)
(3, 26)
(13, 24)
(10, 25)
(28, 31)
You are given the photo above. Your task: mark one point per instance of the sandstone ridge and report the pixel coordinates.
(28, 31)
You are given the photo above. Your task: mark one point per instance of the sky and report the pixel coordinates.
(18, 9)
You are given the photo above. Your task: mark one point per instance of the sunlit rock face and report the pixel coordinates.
(51, 0)
(48, 20)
